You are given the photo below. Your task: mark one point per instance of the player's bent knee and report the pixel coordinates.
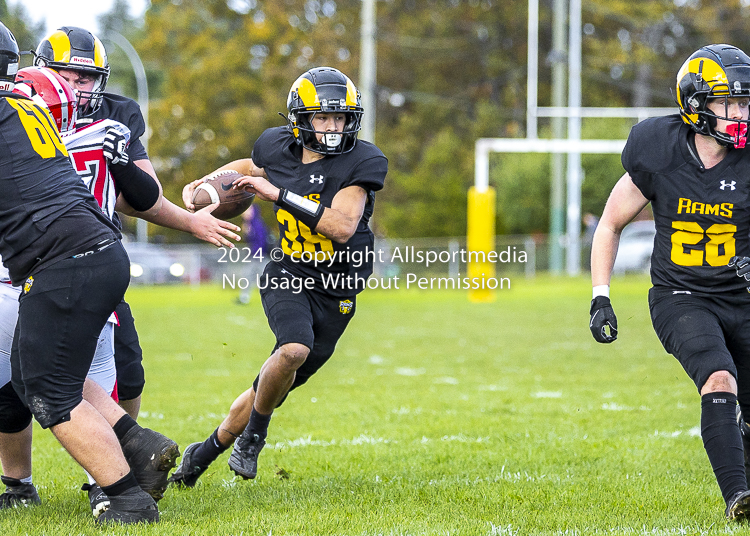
(720, 381)
(293, 354)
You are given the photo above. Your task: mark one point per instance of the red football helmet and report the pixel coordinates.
(47, 88)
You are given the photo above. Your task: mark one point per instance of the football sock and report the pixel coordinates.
(258, 424)
(26, 480)
(92, 481)
(723, 443)
(209, 450)
(121, 486)
(122, 426)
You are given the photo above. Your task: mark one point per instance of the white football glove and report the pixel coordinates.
(114, 148)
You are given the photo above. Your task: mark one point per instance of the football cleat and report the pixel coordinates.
(18, 494)
(745, 432)
(97, 499)
(244, 457)
(738, 507)
(187, 472)
(150, 455)
(133, 506)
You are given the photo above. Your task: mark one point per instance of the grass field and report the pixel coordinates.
(435, 416)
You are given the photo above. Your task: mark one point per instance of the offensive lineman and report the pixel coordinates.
(322, 183)
(693, 168)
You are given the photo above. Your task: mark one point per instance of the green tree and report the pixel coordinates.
(28, 34)
(449, 72)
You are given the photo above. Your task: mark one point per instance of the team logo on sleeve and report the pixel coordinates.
(345, 307)
(27, 285)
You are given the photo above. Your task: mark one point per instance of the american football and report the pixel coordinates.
(218, 189)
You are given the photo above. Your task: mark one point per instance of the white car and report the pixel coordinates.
(636, 245)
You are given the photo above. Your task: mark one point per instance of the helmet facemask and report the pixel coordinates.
(93, 98)
(736, 130)
(325, 142)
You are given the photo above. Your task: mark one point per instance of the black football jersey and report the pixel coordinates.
(38, 186)
(127, 112)
(702, 215)
(320, 181)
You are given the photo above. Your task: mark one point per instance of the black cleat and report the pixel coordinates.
(150, 455)
(133, 506)
(97, 499)
(745, 432)
(18, 494)
(187, 472)
(244, 458)
(738, 508)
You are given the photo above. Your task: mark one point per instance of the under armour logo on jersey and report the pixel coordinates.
(724, 185)
(318, 179)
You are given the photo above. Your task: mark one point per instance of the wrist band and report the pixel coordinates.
(601, 290)
(304, 210)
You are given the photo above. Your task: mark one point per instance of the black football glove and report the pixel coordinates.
(114, 146)
(742, 266)
(602, 316)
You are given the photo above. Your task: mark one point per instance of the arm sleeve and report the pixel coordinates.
(138, 188)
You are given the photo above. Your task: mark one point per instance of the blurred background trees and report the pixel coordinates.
(449, 72)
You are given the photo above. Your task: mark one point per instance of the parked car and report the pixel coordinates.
(152, 264)
(636, 245)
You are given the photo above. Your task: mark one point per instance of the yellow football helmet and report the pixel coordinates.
(713, 71)
(325, 90)
(78, 50)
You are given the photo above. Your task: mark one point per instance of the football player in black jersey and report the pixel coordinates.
(693, 169)
(66, 254)
(79, 57)
(321, 180)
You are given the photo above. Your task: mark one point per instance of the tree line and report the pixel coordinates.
(449, 72)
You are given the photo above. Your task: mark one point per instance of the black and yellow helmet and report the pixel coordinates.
(713, 71)
(76, 49)
(8, 58)
(325, 90)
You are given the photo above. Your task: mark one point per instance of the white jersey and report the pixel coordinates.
(85, 151)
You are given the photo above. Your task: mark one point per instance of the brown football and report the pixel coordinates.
(218, 189)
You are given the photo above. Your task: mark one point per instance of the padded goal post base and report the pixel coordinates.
(480, 236)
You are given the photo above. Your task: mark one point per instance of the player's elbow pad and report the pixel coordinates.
(138, 188)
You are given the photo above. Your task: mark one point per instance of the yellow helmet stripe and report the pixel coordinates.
(351, 93)
(60, 46)
(307, 93)
(100, 56)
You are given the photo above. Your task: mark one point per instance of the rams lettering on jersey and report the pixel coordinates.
(688, 206)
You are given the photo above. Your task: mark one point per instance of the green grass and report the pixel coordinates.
(435, 416)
